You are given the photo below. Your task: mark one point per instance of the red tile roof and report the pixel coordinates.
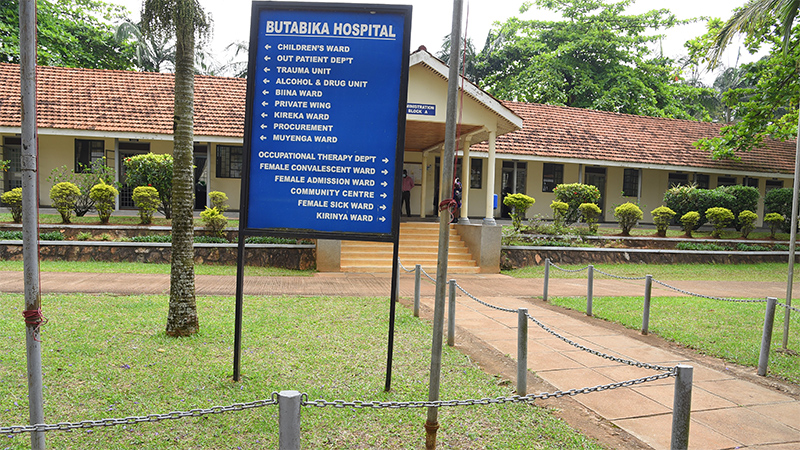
(572, 133)
(120, 101)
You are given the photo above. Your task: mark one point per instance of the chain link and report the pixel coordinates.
(737, 300)
(619, 276)
(787, 306)
(568, 270)
(111, 422)
(499, 308)
(360, 404)
(404, 267)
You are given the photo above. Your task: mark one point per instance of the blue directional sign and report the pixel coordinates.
(325, 117)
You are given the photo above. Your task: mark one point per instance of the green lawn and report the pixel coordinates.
(108, 356)
(728, 330)
(123, 267)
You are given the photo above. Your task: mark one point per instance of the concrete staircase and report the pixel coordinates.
(419, 244)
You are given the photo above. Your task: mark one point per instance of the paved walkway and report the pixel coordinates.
(731, 408)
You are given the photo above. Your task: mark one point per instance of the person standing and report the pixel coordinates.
(408, 184)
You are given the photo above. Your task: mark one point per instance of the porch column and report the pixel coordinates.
(465, 177)
(489, 219)
(423, 192)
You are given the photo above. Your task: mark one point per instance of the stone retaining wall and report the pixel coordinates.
(517, 257)
(298, 257)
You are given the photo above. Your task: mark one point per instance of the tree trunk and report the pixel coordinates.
(182, 318)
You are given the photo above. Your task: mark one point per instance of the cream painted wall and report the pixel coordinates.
(54, 152)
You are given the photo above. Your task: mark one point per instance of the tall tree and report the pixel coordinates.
(153, 54)
(70, 33)
(597, 57)
(187, 20)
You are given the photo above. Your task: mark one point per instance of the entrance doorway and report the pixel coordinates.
(128, 150)
(596, 176)
(514, 177)
(200, 176)
(12, 151)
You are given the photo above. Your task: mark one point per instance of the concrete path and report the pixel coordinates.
(731, 407)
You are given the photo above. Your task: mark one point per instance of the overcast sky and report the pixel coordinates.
(431, 20)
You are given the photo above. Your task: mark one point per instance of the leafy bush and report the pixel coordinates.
(590, 214)
(52, 236)
(627, 214)
(747, 222)
(689, 222)
(780, 201)
(268, 240)
(560, 210)
(10, 235)
(744, 198)
(96, 172)
(699, 246)
(774, 220)
(160, 238)
(519, 204)
(146, 198)
(154, 171)
(683, 199)
(218, 200)
(64, 195)
(573, 195)
(210, 240)
(662, 217)
(83, 236)
(720, 218)
(752, 248)
(13, 199)
(214, 220)
(104, 196)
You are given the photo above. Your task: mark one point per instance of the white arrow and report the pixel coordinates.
(385, 172)
(385, 160)
(264, 103)
(266, 81)
(263, 138)
(267, 58)
(383, 195)
(384, 184)
(382, 207)
(264, 115)
(265, 92)
(267, 47)
(266, 69)
(382, 219)
(263, 126)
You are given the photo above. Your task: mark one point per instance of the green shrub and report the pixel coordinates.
(10, 235)
(744, 198)
(218, 200)
(720, 218)
(689, 222)
(159, 238)
(146, 198)
(573, 195)
(268, 240)
(780, 201)
(13, 199)
(662, 217)
(154, 171)
(700, 246)
(560, 210)
(590, 214)
(627, 214)
(88, 176)
(774, 221)
(83, 236)
(752, 248)
(210, 240)
(64, 195)
(519, 204)
(214, 220)
(52, 236)
(682, 199)
(104, 197)
(747, 222)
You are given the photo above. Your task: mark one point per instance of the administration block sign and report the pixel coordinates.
(325, 117)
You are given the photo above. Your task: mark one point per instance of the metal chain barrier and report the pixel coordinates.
(500, 308)
(787, 306)
(359, 404)
(737, 300)
(111, 422)
(404, 267)
(616, 276)
(568, 270)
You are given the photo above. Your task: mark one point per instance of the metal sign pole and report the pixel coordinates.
(30, 216)
(392, 309)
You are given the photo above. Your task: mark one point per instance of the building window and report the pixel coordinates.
(476, 173)
(630, 183)
(773, 184)
(726, 181)
(752, 182)
(552, 175)
(701, 180)
(229, 161)
(87, 151)
(677, 179)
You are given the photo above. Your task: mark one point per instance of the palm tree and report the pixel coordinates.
(152, 54)
(186, 19)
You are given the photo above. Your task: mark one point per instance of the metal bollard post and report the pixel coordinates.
(546, 277)
(397, 282)
(417, 280)
(682, 408)
(451, 315)
(766, 336)
(522, 351)
(590, 291)
(648, 289)
(289, 420)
